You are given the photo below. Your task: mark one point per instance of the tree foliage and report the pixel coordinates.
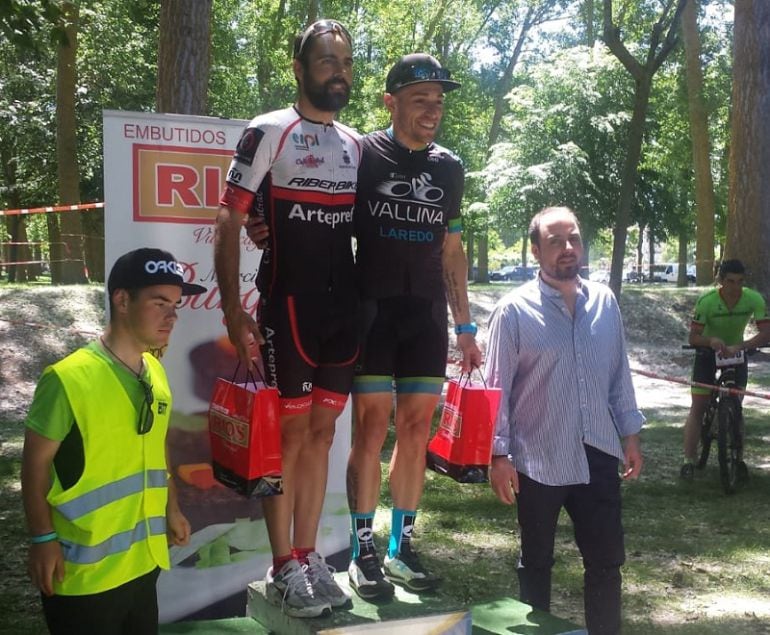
(541, 118)
(563, 140)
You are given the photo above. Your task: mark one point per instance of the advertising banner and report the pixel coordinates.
(163, 176)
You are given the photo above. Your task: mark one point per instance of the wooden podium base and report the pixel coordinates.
(406, 613)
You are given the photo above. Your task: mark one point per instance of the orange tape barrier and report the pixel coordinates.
(44, 210)
(685, 382)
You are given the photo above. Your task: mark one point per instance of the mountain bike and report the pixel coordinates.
(723, 422)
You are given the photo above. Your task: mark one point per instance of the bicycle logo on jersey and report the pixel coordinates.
(419, 188)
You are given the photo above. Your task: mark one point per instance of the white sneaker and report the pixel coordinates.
(291, 590)
(367, 578)
(406, 569)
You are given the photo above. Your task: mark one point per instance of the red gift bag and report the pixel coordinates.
(245, 435)
(462, 445)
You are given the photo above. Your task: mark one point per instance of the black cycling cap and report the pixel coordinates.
(147, 267)
(318, 28)
(418, 68)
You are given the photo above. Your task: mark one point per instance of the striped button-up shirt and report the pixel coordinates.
(565, 380)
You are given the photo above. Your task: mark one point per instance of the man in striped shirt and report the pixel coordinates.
(568, 416)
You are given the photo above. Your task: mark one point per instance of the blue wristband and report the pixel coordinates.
(466, 328)
(39, 540)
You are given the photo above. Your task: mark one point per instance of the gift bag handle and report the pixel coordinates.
(468, 378)
(249, 375)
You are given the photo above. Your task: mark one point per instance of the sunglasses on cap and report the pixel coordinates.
(418, 68)
(322, 27)
(426, 72)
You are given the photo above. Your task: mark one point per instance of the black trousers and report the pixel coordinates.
(595, 511)
(130, 609)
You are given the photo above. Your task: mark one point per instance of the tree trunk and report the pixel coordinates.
(628, 182)
(704, 186)
(184, 56)
(659, 47)
(93, 228)
(651, 256)
(268, 99)
(502, 89)
(588, 16)
(681, 277)
(72, 269)
(482, 271)
(15, 225)
(748, 222)
(55, 246)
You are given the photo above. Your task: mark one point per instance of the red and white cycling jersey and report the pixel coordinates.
(301, 175)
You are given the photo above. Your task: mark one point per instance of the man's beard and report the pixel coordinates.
(567, 272)
(326, 100)
(562, 272)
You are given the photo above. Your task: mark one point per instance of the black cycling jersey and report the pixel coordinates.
(301, 175)
(406, 202)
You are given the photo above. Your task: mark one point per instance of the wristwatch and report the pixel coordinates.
(466, 328)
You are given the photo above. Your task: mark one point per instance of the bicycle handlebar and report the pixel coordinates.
(748, 351)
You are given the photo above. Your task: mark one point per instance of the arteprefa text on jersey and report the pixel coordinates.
(321, 215)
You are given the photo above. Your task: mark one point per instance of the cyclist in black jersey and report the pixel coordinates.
(410, 262)
(297, 169)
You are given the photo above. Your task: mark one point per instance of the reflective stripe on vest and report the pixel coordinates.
(82, 554)
(111, 492)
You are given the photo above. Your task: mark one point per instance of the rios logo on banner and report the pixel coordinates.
(178, 184)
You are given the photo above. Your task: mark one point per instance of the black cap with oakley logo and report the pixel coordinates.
(147, 267)
(418, 68)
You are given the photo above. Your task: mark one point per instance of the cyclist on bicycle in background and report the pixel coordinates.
(718, 323)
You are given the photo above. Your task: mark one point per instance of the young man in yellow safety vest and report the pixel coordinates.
(100, 505)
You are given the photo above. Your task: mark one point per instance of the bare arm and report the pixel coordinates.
(698, 339)
(45, 560)
(242, 329)
(455, 268)
(762, 338)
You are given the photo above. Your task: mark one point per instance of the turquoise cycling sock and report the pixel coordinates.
(402, 523)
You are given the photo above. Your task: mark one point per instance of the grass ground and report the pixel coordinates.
(698, 562)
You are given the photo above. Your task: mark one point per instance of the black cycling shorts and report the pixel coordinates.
(310, 348)
(704, 370)
(405, 338)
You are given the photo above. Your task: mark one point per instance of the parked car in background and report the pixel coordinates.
(513, 272)
(672, 272)
(524, 273)
(504, 273)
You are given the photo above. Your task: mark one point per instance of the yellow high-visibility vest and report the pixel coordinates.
(112, 521)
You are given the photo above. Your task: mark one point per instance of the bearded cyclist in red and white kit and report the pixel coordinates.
(297, 168)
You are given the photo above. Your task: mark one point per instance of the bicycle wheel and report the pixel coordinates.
(706, 437)
(728, 443)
